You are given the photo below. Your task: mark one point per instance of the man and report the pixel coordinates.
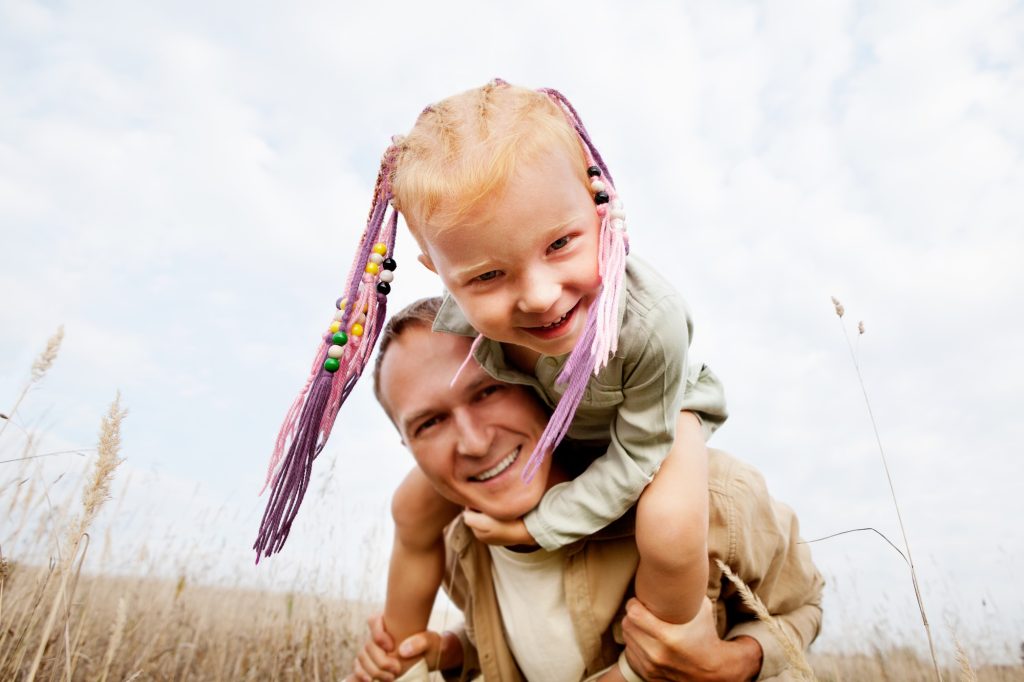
(567, 614)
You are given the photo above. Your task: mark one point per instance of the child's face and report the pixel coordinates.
(523, 267)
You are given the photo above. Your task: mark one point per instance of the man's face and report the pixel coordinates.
(472, 439)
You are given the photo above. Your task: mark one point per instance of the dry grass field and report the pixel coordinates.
(60, 623)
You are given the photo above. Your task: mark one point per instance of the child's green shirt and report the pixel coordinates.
(631, 405)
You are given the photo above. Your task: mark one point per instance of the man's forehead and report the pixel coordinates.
(418, 371)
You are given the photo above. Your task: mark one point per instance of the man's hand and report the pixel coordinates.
(657, 650)
(378, 659)
(491, 531)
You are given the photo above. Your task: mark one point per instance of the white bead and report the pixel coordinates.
(376, 258)
(597, 186)
(618, 225)
(338, 314)
(335, 351)
(617, 213)
(387, 276)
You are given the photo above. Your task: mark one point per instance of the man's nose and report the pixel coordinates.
(538, 292)
(474, 437)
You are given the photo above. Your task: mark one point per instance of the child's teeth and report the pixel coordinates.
(556, 322)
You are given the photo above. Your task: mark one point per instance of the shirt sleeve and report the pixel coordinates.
(766, 552)
(642, 432)
(705, 397)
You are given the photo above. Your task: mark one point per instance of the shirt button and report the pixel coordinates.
(551, 362)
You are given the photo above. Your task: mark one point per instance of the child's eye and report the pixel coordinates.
(487, 276)
(559, 243)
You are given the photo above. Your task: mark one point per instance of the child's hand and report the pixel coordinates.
(494, 532)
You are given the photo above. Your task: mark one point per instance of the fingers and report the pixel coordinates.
(477, 520)
(375, 663)
(379, 635)
(420, 644)
(639, 618)
(366, 671)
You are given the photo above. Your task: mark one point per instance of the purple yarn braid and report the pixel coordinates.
(309, 421)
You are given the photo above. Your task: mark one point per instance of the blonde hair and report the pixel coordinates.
(465, 148)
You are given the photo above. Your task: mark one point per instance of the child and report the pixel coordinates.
(515, 210)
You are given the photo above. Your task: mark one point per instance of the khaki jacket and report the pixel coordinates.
(757, 537)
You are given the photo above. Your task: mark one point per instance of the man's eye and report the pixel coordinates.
(487, 276)
(560, 243)
(424, 426)
(489, 390)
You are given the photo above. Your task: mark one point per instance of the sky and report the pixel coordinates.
(182, 185)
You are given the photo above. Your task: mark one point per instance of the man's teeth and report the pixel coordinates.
(557, 322)
(497, 468)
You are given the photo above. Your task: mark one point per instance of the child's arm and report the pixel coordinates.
(653, 385)
(672, 529)
(417, 558)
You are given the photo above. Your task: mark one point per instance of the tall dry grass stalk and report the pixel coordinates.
(967, 673)
(840, 311)
(40, 367)
(97, 491)
(790, 650)
(116, 631)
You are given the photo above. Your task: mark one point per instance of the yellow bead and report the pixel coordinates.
(366, 307)
(381, 248)
(372, 268)
(335, 326)
(357, 330)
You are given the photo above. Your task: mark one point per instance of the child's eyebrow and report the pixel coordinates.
(464, 272)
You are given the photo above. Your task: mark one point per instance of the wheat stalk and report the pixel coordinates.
(116, 631)
(97, 491)
(789, 649)
(892, 488)
(39, 369)
(966, 672)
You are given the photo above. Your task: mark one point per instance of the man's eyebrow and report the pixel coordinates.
(416, 416)
(427, 411)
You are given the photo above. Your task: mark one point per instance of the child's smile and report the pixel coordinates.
(523, 265)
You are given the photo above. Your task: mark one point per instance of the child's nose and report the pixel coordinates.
(538, 294)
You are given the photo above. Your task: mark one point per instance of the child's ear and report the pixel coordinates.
(427, 263)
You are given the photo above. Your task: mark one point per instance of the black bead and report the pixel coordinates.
(389, 264)
(383, 288)
(594, 172)
(601, 198)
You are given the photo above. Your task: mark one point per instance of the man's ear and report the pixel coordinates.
(427, 263)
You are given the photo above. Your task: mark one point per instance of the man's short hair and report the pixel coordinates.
(418, 314)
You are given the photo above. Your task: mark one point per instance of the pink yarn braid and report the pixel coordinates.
(599, 339)
(469, 356)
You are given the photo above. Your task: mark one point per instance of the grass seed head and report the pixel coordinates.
(840, 310)
(49, 354)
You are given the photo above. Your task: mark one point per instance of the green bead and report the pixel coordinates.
(332, 364)
(339, 338)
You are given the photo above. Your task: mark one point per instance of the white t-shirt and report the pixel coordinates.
(531, 597)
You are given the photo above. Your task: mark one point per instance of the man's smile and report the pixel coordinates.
(506, 461)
